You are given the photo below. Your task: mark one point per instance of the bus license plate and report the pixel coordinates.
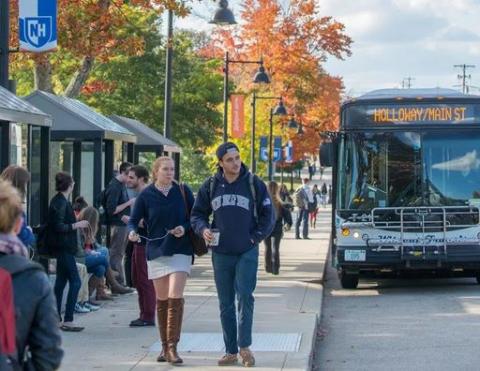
(355, 255)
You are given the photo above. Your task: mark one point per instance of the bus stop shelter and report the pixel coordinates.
(84, 143)
(149, 142)
(24, 141)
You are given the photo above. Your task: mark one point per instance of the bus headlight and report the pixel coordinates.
(356, 235)
(345, 232)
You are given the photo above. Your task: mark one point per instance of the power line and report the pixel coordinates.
(463, 77)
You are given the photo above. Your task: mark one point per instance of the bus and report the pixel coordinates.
(406, 184)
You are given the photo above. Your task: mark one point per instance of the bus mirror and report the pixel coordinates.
(326, 154)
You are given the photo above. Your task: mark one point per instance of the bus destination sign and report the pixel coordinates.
(398, 114)
(419, 114)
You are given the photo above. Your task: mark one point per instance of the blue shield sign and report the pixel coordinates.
(38, 25)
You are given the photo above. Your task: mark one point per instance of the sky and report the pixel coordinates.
(393, 40)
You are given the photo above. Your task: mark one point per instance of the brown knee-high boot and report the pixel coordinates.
(162, 316)
(174, 327)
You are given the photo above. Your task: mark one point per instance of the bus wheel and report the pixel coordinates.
(349, 280)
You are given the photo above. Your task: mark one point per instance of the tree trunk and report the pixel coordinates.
(80, 77)
(43, 75)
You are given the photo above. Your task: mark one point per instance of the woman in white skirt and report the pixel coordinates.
(161, 209)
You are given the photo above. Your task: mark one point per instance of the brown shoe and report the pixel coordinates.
(115, 287)
(174, 328)
(101, 292)
(162, 315)
(228, 360)
(248, 359)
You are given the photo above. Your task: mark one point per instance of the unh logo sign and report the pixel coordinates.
(38, 30)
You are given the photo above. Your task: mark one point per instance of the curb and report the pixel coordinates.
(318, 316)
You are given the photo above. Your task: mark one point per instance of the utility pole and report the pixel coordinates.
(464, 76)
(167, 115)
(4, 38)
(407, 82)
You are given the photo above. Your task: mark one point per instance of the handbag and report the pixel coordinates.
(198, 243)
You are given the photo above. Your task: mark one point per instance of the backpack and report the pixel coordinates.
(299, 198)
(251, 181)
(43, 247)
(100, 203)
(7, 323)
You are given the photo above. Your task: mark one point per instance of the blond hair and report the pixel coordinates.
(157, 163)
(10, 206)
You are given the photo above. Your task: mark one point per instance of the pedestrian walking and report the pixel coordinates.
(242, 217)
(303, 200)
(117, 210)
(169, 251)
(36, 317)
(272, 242)
(314, 207)
(19, 178)
(62, 238)
(137, 182)
(324, 192)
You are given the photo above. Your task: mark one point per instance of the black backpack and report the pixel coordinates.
(42, 243)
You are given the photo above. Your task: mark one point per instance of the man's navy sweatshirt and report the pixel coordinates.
(232, 207)
(161, 213)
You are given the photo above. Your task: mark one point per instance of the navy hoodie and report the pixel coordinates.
(232, 207)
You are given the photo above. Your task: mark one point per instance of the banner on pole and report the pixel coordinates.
(277, 149)
(238, 115)
(37, 25)
(263, 149)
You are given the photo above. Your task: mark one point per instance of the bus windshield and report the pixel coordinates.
(401, 169)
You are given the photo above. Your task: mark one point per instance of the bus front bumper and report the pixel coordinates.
(362, 258)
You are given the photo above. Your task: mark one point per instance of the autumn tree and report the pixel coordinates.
(294, 43)
(88, 31)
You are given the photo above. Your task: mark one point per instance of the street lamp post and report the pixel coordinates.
(253, 162)
(279, 110)
(261, 77)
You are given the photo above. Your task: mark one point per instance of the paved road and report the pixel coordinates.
(399, 325)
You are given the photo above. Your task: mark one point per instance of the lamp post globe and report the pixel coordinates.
(223, 15)
(292, 124)
(280, 109)
(261, 76)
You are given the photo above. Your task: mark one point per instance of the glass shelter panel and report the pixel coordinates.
(61, 159)
(87, 175)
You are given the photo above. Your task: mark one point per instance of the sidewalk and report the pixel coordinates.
(287, 308)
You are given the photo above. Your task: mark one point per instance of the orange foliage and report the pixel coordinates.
(294, 43)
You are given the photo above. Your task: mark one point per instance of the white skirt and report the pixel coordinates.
(164, 265)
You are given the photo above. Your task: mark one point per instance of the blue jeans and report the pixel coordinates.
(67, 271)
(97, 263)
(236, 274)
(302, 218)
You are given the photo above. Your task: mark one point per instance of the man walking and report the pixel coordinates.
(303, 198)
(242, 217)
(118, 209)
(137, 181)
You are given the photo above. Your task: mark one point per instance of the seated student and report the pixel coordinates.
(37, 320)
(97, 258)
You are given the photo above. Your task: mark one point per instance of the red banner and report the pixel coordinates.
(238, 115)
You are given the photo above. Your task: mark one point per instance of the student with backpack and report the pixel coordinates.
(37, 334)
(303, 199)
(242, 217)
